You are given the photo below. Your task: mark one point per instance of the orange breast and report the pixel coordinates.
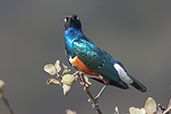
(82, 67)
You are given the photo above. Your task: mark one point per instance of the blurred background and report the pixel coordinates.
(138, 33)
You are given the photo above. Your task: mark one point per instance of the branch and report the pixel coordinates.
(66, 80)
(168, 108)
(92, 100)
(6, 103)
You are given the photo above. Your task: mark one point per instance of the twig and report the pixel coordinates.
(93, 101)
(6, 103)
(167, 110)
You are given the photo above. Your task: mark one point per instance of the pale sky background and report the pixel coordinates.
(138, 33)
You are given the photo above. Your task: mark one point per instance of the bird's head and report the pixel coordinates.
(72, 21)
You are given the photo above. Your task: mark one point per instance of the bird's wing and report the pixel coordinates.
(97, 60)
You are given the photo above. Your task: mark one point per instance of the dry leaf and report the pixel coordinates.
(150, 106)
(142, 110)
(66, 71)
(50, 68)
(68, 79)
(64, 66)
(169, 105)
(133, 110)
(66, 89)
(2, 86)
(52, 81)
(68, 111)
(57, 65)
(116, 110)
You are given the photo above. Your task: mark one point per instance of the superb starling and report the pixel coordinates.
(87, 57)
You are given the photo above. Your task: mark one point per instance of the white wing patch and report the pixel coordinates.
(122, 74)
(72, 59)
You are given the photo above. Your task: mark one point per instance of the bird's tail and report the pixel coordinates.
(138, 85)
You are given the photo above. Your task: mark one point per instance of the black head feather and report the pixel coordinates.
(72, 20)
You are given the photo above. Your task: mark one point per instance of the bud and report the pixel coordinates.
(68, 79)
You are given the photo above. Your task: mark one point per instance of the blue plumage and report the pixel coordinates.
(78, 45)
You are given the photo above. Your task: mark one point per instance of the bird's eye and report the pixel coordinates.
(76, 18)
(66, 19)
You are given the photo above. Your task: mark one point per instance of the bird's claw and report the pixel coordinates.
(96, 98)
(94, 105)
(89, 100)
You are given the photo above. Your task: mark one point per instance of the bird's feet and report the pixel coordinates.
(95, 104)
(97, 97)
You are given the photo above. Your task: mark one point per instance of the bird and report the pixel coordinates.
(85, 56)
